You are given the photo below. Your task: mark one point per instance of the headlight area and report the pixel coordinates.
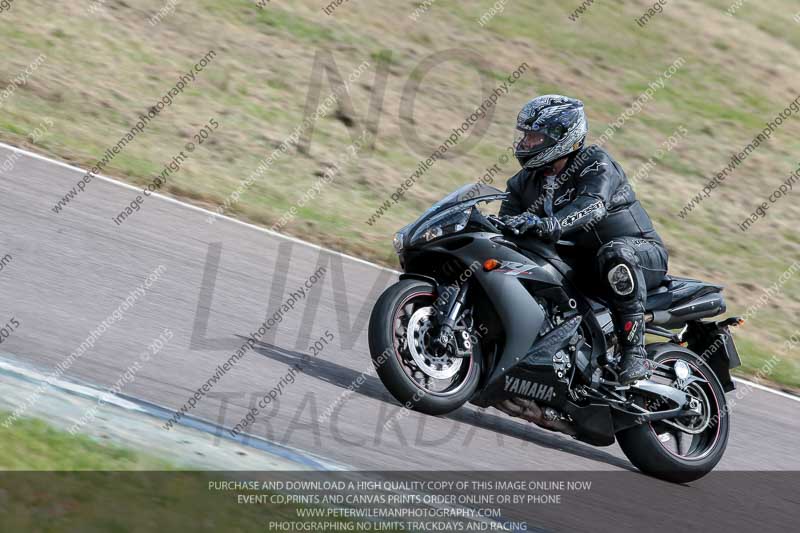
(446, 223)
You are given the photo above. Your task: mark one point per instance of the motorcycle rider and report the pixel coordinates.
(579, 193)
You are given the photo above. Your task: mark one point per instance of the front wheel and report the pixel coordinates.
(421, 377)
(683, 449)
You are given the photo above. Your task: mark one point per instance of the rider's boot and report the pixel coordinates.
(630, 333)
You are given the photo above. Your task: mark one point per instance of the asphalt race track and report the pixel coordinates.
(69, 271)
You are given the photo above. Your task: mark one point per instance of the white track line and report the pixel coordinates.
(34, 155)
(767, 389)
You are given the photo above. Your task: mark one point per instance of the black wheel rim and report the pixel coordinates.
(417, 373)
(690, 438)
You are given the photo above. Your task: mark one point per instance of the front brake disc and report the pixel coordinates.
(418, 341)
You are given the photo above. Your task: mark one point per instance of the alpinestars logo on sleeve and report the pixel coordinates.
(575, 217)
(594, 167)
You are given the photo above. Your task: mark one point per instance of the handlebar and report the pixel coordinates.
(502, 225)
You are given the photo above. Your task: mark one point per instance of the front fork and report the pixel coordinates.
(451, 303)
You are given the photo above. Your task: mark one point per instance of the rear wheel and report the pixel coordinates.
(423, 378)
(687, 448)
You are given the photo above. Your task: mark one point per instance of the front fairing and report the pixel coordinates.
(460, 201)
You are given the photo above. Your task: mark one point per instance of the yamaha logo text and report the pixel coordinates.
(537, 391)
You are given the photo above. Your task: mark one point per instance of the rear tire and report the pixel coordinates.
(394, 369)
(648, 445)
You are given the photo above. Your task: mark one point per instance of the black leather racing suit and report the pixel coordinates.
(599, 212)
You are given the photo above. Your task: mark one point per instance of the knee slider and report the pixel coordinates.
(618, 263)
(621, 280)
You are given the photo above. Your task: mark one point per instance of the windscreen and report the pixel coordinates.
(471, 191)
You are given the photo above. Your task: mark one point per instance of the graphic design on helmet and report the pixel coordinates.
(548, 128)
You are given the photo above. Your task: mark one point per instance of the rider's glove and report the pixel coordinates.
(549, 229)
(522, 223)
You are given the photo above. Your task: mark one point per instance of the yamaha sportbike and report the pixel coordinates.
(482, 315)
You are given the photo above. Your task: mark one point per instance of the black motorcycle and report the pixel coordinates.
(484, 316)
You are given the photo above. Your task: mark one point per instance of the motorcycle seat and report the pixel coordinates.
(675, 291)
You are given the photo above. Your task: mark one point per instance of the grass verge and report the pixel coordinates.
(53, 481)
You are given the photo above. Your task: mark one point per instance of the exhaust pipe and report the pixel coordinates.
(528, 410)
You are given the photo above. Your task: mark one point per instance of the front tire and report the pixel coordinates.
(664, 451)
(398, 344)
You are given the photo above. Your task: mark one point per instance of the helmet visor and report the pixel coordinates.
(529, 142)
